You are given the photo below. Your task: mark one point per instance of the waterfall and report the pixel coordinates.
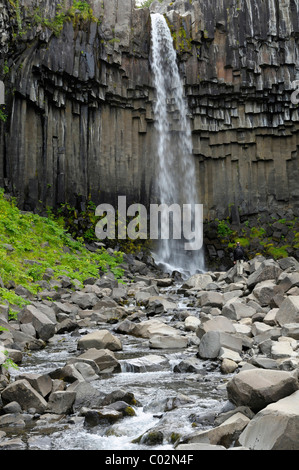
(176, 178)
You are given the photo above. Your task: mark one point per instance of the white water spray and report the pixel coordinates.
(176, 179)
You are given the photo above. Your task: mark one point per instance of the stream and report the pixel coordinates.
(174, 400)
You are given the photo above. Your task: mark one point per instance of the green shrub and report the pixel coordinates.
(30, 244)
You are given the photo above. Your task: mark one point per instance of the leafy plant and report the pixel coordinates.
(223, 229)
(31, 244)
(3, 115)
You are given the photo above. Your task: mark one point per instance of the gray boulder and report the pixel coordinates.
(268, 269)
(84, 300)
(264, 291)
(148, 363)
(235, 310)
(219, 323)
(104, 359)
(212, 341)
(197, 281)
(211, 299)
(168, 342)
(288, 311)
(225, 434)
(61, 402)
(44, 327)
(23, 393)
(42, 383)
(257, 388)
(100, 339)
(276, 427)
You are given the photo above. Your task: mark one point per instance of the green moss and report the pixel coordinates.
(174, 437)
(129, 411)
(278, 252)
(79, 11)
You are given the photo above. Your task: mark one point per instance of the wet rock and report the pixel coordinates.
(152, 438)
(219, 323)
(123, 408)
(23, 393)
(61, 402)
(149, 328)
(39, 443)
(225, 434)
(85, 396)
(13, 444)
(168, 342)
(119, 395)
(288, 312)
(191, 364)
(100, 339)
(103, 415)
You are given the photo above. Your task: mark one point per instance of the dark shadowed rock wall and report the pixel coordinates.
(80, 120)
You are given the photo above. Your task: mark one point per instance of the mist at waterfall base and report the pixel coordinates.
(175, 179)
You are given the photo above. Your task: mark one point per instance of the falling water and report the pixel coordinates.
(176, 180)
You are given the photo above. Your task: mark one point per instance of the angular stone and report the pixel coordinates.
(264, 291)
(212, 299)
(42, 383)
(168, 342)
(225, 434)
(44, 327)
(148, 363)
(219, 323)
(257, 388)
(61, 402)
(197, 281)
(100, 339)
(235, 310)
(282, 349)
(192, 323)
(84, 300)
(291, 330)
(23, 393)
(276, 427)
(103, 358)
(149, 328)
(268, 269)
(212, 341)
(288, 312)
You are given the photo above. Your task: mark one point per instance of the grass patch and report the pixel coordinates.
(31, 244)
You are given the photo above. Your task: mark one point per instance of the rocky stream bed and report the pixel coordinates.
(155, 362)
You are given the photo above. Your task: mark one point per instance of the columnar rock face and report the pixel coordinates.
(80, 102)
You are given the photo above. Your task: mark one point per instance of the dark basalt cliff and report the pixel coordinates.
(79, 101)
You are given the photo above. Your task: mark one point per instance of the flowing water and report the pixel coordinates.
(176, 172)
(167, 400)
